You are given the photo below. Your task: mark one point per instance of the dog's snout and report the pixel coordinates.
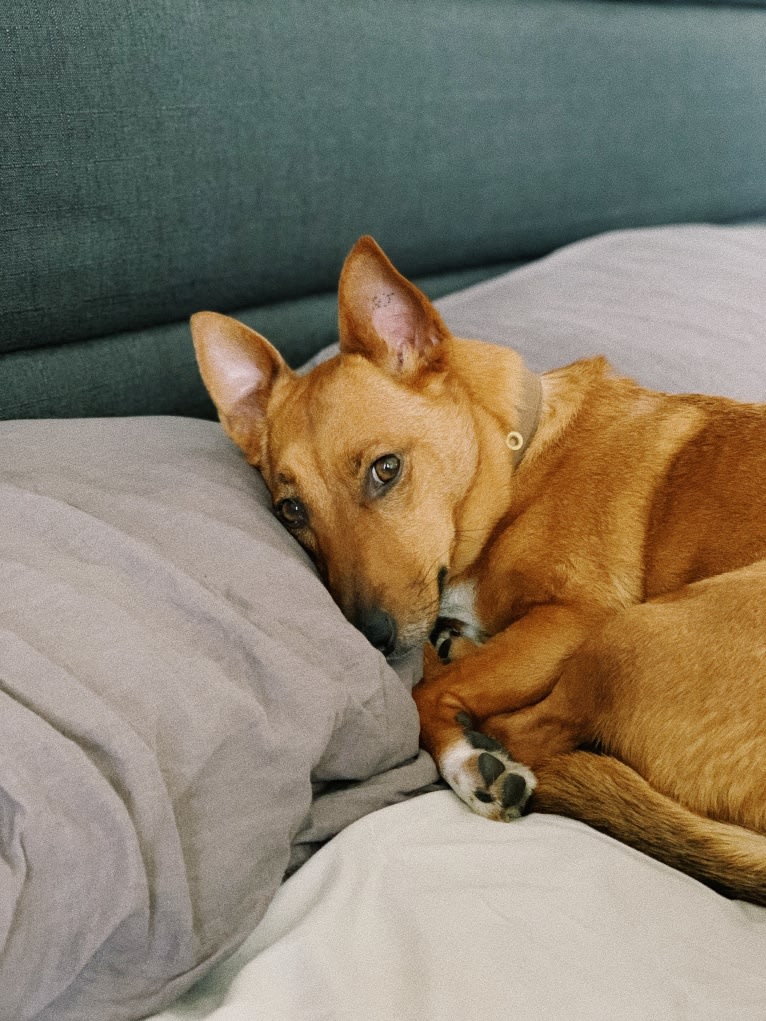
(378, 627)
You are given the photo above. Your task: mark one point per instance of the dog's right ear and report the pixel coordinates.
(239, 368)
(383, 316)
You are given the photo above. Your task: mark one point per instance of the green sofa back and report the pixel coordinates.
(161, 157)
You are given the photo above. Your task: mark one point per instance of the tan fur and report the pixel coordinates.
(620, 568)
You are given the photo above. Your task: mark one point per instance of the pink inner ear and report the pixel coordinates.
(395, 323)
(243, 380)
(395, 326)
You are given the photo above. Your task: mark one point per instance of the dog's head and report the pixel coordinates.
(371, 457)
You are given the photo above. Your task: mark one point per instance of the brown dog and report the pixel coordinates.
(589, 557)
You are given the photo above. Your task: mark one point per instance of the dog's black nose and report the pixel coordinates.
(379, 628)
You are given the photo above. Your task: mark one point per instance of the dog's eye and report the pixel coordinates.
(292, 513)
(386, 469)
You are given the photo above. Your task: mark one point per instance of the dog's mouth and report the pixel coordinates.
(389, 634)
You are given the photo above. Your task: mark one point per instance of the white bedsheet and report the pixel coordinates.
(424, 911)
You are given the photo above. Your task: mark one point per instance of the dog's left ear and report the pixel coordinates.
(384, 317)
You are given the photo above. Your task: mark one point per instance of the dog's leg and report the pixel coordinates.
(517, 668)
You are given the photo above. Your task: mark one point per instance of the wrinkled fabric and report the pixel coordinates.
(176, 686)
(680, 309)
(427, 912)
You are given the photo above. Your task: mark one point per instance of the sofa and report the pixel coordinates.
(212, 801)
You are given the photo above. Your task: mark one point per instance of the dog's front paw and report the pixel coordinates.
(449, 640)
(486, 778)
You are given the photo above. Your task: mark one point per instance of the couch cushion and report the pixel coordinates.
(152, 371)
(679, 309)
(159, 158)
(710, 3)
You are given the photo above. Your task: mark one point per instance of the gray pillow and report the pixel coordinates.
(175, 687)
(680, 309)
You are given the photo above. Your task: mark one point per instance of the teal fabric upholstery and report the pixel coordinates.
(159, 158)
(153, 371)
(710, 3)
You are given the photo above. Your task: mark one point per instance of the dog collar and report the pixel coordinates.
(528, 407)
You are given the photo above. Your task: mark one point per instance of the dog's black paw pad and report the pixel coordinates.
(490, 768)
(443, 637)
(478, 740)
(484, 775)
(514, 790)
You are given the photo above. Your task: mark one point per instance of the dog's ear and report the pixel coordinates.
(384, 317)
(239, 368)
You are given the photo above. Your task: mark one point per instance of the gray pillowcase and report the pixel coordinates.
(184, 712)
(680, 309)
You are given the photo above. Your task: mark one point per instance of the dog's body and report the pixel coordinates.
(588, 556)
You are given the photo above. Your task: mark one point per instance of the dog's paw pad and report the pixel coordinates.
(451, 640)
(442, 637)
(478, 740)
(514, 790)
(443, 648)
(482, 774)
(490, 768)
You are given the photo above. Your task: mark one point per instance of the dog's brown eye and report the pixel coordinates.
(385, 469)
(292, 513)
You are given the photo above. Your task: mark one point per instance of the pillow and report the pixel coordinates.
(679, 309)
(175, 686)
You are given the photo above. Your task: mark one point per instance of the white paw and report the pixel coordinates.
(486, 778)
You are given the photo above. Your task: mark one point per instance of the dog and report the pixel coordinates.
(588, 558)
